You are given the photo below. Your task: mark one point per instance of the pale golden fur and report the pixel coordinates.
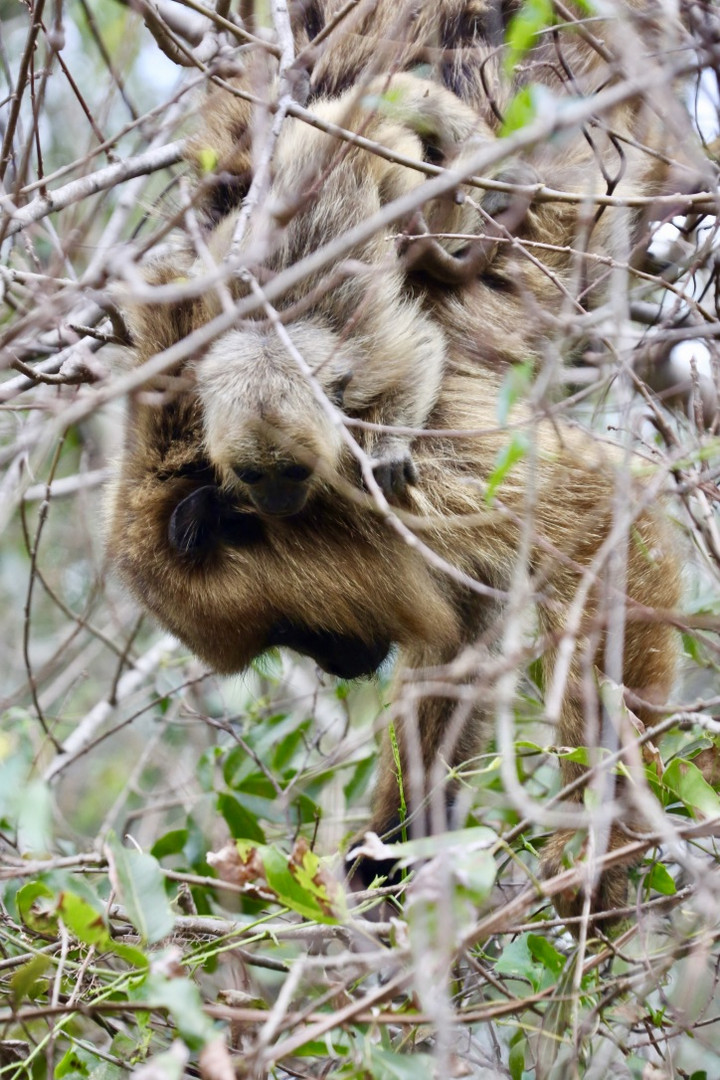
(622, 152)
(367, 339)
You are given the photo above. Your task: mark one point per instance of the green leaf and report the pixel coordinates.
(206, 766)
(516, 1058)
(533, 16)
(140, 885)
(71, 1066)
(316, 877)
(172, 1065)
(475, 872)
(515, 386)
(691, 648)
(285, 748)
(687, 782)
(172, 843)
(83, 920)
(242, 824)
(520, 111)
(25, 980)
(80, 1062)
(387, 1065)
(36, 906)
(358, 782)
(544, 951)
(87, 924)
(182, 999)
(34, 818)
(531, 747)
(510, 454)
(661, 880)
(584, 755)
(15, 763)
(207, 159)
(517, 960)
(292, 882)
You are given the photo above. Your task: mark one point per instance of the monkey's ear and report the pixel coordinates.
(194, 525)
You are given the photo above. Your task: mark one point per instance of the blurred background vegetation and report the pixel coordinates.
(124, 763)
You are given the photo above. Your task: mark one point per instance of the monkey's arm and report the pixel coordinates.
(401, 359)
(500, 215)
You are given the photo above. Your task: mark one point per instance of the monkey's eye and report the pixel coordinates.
(295, 472)
(249, 476)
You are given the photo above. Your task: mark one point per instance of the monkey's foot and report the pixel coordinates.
(424, 254)
(609, 893)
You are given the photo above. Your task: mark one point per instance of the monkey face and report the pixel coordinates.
(280, 490)
(268, 432)
(344, 655)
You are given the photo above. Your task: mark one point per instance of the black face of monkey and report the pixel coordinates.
(278, 491)
(205, 518)
(338, 654)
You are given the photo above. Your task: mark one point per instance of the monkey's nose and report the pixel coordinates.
(295, 471)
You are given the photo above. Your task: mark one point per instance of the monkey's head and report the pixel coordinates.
(269, 430)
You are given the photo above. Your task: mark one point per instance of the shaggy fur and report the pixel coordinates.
(337, 584)
(461, 41)
(334, 581)
(371, 346)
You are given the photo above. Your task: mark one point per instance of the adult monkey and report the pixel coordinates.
(340, 586)
(337, 584)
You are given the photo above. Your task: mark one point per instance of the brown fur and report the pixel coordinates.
(337, 578)
(335, 581)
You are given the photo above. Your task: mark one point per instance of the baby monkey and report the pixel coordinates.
(373, 350)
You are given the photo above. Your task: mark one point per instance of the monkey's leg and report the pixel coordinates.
(649, 661)
(425, 254)
(608, 890)
(431, 736)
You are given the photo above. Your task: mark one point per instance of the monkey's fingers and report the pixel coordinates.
(424, 254)
(394, 475)
(609, 892)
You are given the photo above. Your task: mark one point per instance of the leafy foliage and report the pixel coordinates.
(174, 880)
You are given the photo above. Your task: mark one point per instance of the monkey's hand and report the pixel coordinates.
(395, 471)
(509, 208)
(422, 253)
